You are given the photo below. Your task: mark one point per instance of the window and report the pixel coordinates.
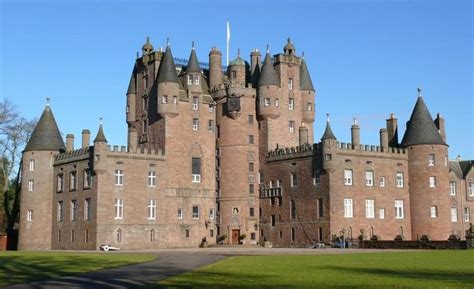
(145, 103)
(294, 180)
(87, 209)
(87, 179)
(151, 179)
(210, 125)
(267, 102)
(431, 160)
(252, 212)
(320, 208)
(186, 233)
(72, 181)
(316, 181)
(152, 235)
(211, 233)
(292, 126)
(195, 212)
(369, 178)
(445, 161)
(234, 74)
(382, 182)
(452, 188)
(432, 182)
(211, 107)
(399, 177)
(73, 210)
(270, 184)
(212, 214)
(471, 189)
(118, 209)
(293, 235)
(454, 215)
(251, 168)
(253, 236)
(180, 213)
(273, 220)
(466, 215)
(381, 213)
(29, 215)
(348, 208)
(434, 211)
(291, 103)
(369, 209)
(32, 165)
(190, 79)
(277, 102)
(290, 83)
(145, 125)
(348, 177)
(293, 209)
(175, 99)
(309, 106)
(251, 189)
(31, 185)
(164, 99)
(195, 124)
(250, 119)
(60, 183)
(152, 210)
(195, 103)
(119, 177)
(60, 211)
(250, 139)
(72, 236)
(119, 236)
(328, 157)
(399, 209)
(196, 170)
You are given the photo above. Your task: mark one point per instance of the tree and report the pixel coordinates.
(15, 131)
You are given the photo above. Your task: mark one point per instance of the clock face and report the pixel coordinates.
(233, 104)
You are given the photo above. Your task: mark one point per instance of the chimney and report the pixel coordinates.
(215, 67)
(355, 133)
(69, 142)
(86, 135)
(439, 122)
(303, 134)
(392, 130)
(384, 139)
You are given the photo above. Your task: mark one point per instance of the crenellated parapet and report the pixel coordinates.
(124, 152)
(370, 148)
(303, 150)
(73, 155)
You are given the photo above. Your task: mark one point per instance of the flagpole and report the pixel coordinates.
(228, 41)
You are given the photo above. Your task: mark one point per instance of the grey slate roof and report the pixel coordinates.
(46, 135)
(167, 71)
(466, 166)
(100, 137)
(193, 64)
(305, 78)
(237, 61)
(131, 85)
(420, 128)
(456, 169)
(268, 75)
(328, 134)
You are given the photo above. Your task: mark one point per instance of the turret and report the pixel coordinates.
(215, 67)
(255, 64)
(384, 139)
(307, 93)
(268, 89)
(355, 133)
(237, 70)
(100, 149)
(168, 85)
(193, 73)
(329, 145)
(303, 134)
(147, 48)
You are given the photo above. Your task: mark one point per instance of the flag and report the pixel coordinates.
(228, 41)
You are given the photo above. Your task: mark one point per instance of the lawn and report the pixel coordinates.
(425, 269)
(20, 267)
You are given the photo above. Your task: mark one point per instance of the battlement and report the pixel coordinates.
(370, 148)
(293, 152)
(123, 151)
(74, 155)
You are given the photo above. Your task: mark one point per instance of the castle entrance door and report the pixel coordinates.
(235, 237)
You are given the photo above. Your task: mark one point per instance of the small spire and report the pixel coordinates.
(100, 120)
(302, 54)
(193, 45)
(328, 134)
(148, 40)
(419, 91)
(289, 40)
(268, 48)
(167, 41)
(327, 117)
(238, 52)
(138, 55)
(47, 100)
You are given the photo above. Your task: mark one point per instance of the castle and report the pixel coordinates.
(230, 156)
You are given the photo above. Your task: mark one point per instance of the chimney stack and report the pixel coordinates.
(439, 121)
(384, 139)
(303, 134)
(69, 142)
(355, 133)
(215, 67)
(392, 130)
(86, 135)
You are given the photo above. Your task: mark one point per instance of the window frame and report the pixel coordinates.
(454, 214)
(195, 103)
(118, 177)
(452, 188)
(399, 209)
(195, 214)
(348, 208)
(152, 179)
(399, 177)
(152, 209)
(291, 103)
(118, 209)
(369, 178)
(348, 179)
(370, 209)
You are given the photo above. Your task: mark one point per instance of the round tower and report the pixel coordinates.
(168, 86)
(307, 94)
(268, 90)
(329, 146)
(237, 70)
(215, 67)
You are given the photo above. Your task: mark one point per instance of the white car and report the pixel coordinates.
(107, 248)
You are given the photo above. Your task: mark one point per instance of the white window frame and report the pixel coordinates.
(88, 209)
(309, 106)
(291, 103)
(211, 108)
(31, 185)
(32, 165)
(73, 210)
(195, 215)
(382, 182)
(210, 125)
(151, 179)
(452, 188)
(290, 83)
(382, 213)
(119, 177)
(399, 210)
(164, 99)
(291, 126)
(175, 99)
(180, 213)
(399, 179)
(369, 208)
(195, 124)
(29, 215)
(293, 180)
(196, 178)
(60, 182)
(196, 79)
(195, 104)
(369, 178)
(348, 175)
(277, 102)
(266, 101)
(434, 212)
(467, 214)
(431, 160)
(118, 209)
(471, 189)
(152, 210)
(212, 214)
(190, 79)
(87, 179)
(73, 181)
(454, 214)
(348, 208)
(432, 181)
(60, 212)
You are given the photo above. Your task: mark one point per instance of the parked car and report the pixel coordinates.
(107, 248)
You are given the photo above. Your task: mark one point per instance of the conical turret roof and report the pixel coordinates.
(131, 85)
(268, 75)
(421, 128)
(46, 135)
(167, 71)
(305, 78)
(100, 137)
(193, 63)
(328, 134)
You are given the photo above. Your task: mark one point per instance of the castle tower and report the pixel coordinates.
(329, 147)
(215, 67)
(38, 183)
(237, 70)
(307, 97)
(428, 175)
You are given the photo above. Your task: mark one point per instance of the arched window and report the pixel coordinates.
(152, 235)
(119, 235)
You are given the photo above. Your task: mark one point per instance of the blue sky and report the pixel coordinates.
(366, 58)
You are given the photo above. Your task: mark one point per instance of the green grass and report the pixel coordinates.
(21, 267)
(427, 269)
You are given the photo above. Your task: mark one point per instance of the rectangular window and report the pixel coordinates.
(369, 209)
(467, 215)
(273, 220)
(251, 189)
(434, 211)
(382, 182)
(119, 177)
(29, 215)
(432, 182)
(253, 236)
(381, 213)
(60, 183)
(277, 102)
(251, 168)
(431, 160)
(175, 99)
(320, 208)
(164, 99)
(212, 214)
(294, 180)
(210, 125)
(186, 232)
(73, 210)
(151, 179)
(87, 179)
(250, 139)
(252, 212)
(118, 208)
(195, 124)
(399, 214)
(328, 157)
(454, 215)
(291, 103)
(293, 234)
(190, 79)
(471, 189)
(32, 165)
(145, 103)
(195, 212)
(60, 211)
(369, 178)
(152, 210)
(293, 209)
(87, 209)
(250, 119)
(348, 213)
(196, 79)
(445, 161)
(290, 83)
(292, 126)
(31, 185)
(196, 170)
(309, 106)
(270, 184)
(452, 188)
(72, 181)
(211, 107)
(180, 213)
(348, 177)
(399, 177)
(267, 102)
(195, 103)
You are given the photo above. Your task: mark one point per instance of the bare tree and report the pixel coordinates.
(15, 131)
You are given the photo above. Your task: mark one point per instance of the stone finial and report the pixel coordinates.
(100, 120)
(268, 48)
(302, 54)
(419, 91)
(47, 100)
(193, 45)
(327, 117)
(167, 41)
(355, 121)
